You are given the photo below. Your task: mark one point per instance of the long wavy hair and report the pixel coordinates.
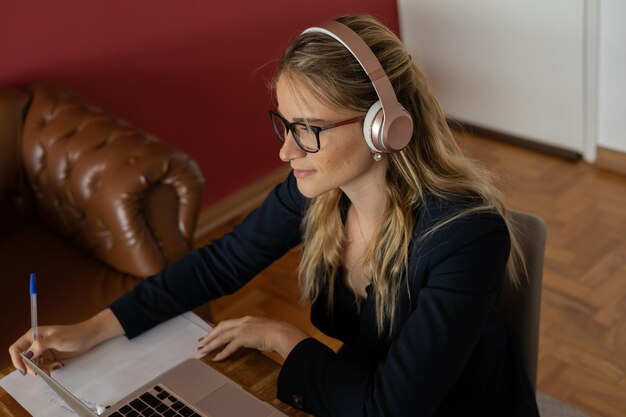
(432, 163)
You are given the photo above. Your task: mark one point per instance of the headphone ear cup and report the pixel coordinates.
(372, 126)
(399, 132)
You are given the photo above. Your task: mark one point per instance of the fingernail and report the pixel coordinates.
(199, 347)
(29, 355)
(56, 367)
(22, 372)
(200, 340)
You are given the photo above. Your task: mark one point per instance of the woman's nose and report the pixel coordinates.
(290, 149)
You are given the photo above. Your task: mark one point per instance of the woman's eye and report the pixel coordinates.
(303, 129)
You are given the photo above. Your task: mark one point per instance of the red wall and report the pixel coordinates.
(192, 72)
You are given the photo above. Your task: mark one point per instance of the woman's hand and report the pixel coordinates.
(252, 332)
(54, 344)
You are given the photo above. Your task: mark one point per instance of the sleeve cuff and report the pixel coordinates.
(296, 379)
(124, 310)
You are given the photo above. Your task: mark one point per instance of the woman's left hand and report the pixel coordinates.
(252, 332)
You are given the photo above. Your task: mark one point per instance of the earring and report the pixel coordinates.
(377, 156)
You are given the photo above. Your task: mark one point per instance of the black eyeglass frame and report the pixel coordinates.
(316, 129)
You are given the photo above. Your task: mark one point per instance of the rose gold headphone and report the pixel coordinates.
(388, 127)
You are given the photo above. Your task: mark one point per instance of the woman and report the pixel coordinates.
(404, 253)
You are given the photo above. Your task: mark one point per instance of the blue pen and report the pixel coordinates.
(33, 305)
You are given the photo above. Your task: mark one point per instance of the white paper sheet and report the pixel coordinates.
(111, 370)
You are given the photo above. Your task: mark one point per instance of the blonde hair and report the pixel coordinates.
(432, 163)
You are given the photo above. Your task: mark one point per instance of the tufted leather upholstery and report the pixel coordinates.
(98, 181)
(87, 202)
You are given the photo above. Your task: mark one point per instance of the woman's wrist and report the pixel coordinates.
(103, 326)
(287, 340)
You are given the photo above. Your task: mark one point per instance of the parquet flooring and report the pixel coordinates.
(582, 355)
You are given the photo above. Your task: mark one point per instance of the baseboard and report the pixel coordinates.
(238, 203)
(514, 140)
(611, 160)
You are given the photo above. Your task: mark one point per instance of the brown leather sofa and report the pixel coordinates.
(88, 203)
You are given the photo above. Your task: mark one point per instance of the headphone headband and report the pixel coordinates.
(397, 126)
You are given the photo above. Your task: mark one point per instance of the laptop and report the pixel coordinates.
(190, 389)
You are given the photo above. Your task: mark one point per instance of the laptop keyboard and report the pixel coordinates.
(155, 402)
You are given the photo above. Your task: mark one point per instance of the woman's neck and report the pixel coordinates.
(369, 199)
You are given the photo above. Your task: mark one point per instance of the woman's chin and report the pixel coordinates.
(310, 190)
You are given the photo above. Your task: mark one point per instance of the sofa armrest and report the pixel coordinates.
(118, 193)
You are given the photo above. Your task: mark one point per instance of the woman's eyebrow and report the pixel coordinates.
(308, 119)
(303, 119)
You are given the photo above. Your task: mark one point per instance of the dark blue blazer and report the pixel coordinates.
(451, 353)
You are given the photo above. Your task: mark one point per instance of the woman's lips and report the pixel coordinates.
(303, 173)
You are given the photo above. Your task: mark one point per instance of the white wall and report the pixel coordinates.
(514, 66)
(612, 76)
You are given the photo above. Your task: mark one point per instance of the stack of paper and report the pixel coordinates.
(113, 369)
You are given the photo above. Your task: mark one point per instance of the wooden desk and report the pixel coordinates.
(249, 368)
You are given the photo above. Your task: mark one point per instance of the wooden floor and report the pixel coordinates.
(582, 358)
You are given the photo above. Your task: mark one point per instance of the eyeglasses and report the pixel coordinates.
(306, 136)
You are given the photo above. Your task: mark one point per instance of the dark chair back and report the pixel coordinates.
(521, 306)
